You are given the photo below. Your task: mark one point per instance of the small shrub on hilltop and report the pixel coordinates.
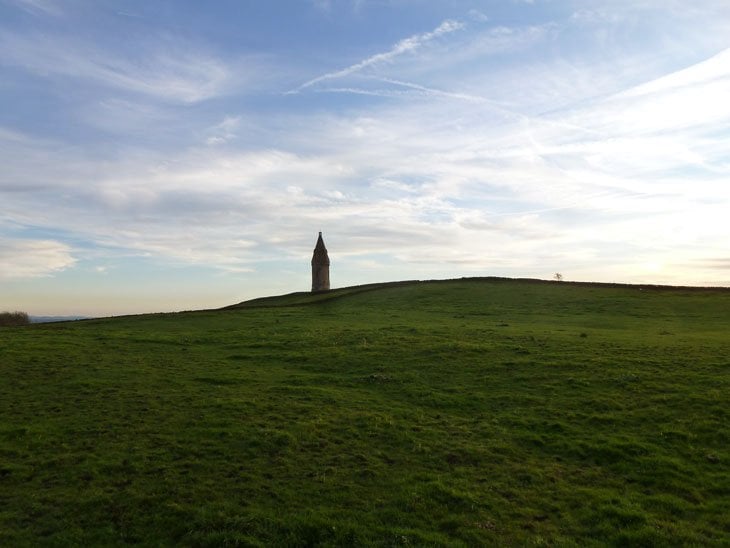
(13, 318)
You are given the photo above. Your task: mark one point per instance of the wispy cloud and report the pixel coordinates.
(407, 45)
(171, 72)
(718, 263)
(476, 15)
(407, 88)
(444, 69)
(224, 131)
(322, 5)
(710, 70)
(132, 120)
(36, 7)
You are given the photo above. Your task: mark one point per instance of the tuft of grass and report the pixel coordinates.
(457, 413)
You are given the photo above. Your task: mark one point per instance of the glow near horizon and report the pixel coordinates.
(168, 155)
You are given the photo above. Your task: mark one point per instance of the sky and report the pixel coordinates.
(172, 155)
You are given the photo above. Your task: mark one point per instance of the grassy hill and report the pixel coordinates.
(464, 412)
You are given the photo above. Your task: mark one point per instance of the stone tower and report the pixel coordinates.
(320, 267)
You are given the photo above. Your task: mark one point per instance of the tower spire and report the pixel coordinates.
(320, 267)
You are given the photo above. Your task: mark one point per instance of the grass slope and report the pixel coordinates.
(454, 413)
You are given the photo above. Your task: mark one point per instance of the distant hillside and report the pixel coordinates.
(48, 319)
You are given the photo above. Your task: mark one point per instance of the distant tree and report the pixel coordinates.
(13, 318)
(558, 277)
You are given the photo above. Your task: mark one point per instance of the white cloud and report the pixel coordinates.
(33, 258)
(443, 193)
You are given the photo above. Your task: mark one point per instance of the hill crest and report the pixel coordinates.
(300, 298)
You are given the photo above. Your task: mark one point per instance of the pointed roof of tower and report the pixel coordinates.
(320, 252)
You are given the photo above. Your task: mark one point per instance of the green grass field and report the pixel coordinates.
(459, 413)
